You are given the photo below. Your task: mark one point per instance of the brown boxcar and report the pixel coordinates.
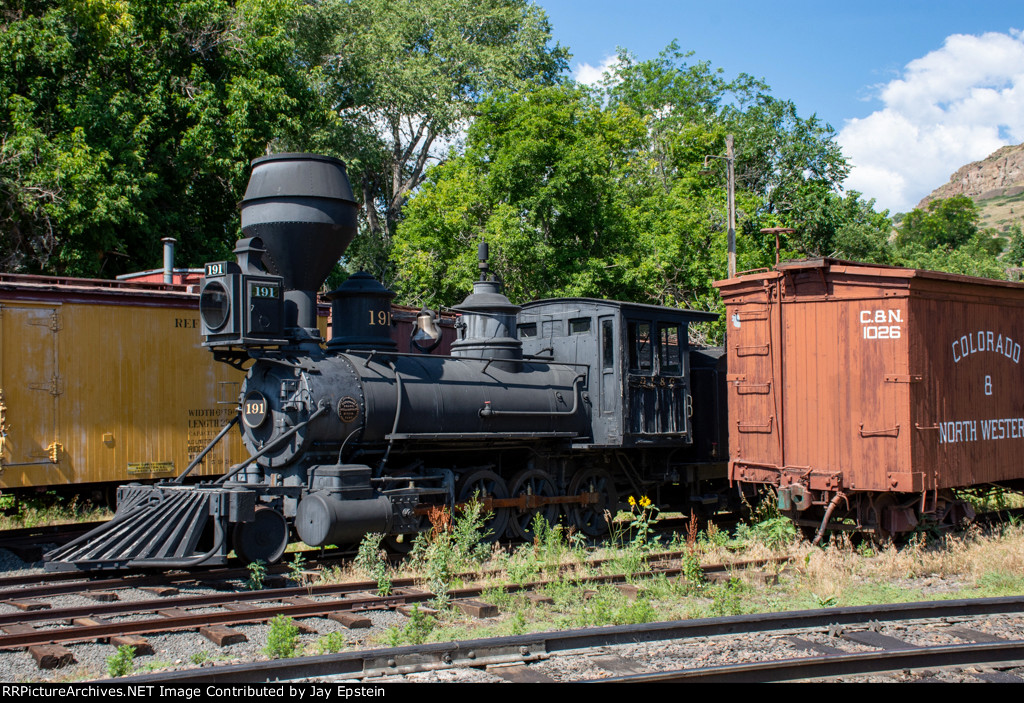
(866, 394)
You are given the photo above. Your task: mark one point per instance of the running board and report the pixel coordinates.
(159, 526)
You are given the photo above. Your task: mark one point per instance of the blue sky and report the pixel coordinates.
(915, 89)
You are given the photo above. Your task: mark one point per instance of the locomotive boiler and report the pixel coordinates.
(557, 407)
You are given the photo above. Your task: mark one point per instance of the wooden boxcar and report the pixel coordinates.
(866, 394)
(106, 381)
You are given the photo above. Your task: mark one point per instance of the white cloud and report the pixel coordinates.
(955, 105)
(589, 75)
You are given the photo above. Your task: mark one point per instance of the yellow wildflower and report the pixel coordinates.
(632, 501)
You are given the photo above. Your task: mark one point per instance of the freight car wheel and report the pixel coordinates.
(486, 484)
(589, 518)
(877, 511)
(526, 484)
(264, 539)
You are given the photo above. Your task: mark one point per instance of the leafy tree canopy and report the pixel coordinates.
(604, 192)
(404, 77)
(948, 236)
(125, 121)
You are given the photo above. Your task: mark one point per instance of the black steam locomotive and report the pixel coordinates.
(558, 407)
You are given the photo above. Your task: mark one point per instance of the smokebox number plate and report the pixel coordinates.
(254, 409)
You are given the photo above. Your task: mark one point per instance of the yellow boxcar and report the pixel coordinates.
(107, 382)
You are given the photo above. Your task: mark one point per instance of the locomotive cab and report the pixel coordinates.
(638, 357)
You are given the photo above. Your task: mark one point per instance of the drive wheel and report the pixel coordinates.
(264, 539)
(529, 483)
(589, 518)
(485, 484)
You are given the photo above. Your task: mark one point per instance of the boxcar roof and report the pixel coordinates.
(623, 305)
(840, 266)
(93, 290)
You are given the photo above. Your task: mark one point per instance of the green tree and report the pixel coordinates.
(1015, 252)
(947, 222)
(605, 193)
(845, 227)
(948, 236)
(405, 78)
(124, 121)
(539, 182)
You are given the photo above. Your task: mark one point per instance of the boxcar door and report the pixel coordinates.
(31, 385)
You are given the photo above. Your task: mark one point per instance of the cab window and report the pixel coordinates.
(669, 353)
(641, 353)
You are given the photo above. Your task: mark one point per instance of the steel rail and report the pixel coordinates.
(533, 647)
(276, 594)
(833, 665)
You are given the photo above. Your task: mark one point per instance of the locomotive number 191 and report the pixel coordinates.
(379, 317)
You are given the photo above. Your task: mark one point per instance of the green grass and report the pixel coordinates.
(47, 509)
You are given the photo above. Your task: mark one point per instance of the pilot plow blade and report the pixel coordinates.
(159, 526)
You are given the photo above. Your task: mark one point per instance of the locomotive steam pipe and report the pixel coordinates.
(488, 411)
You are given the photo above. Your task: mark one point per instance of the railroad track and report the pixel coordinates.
(883, 634)
(26, 542)
(45, 630)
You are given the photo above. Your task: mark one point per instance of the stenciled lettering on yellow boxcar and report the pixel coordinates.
(203, 425)
(150, 468)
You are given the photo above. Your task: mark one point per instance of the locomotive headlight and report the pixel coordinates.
(214, 305)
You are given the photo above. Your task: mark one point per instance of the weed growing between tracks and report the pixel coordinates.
(840, 572)
(122, 662)
(282, 639)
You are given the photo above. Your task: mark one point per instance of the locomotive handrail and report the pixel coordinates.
(272, 445)
(206, 451)
(527, 358)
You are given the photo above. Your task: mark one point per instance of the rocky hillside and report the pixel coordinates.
(1001, 171)
(995, 183)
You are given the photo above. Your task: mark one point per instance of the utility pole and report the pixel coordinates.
(730, 171)
(730, 160)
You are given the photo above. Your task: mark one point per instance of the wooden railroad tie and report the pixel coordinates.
(101, 596)
(47, 656)
(222, 636)
(476, 608)
(28, 604)
(160, 591)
